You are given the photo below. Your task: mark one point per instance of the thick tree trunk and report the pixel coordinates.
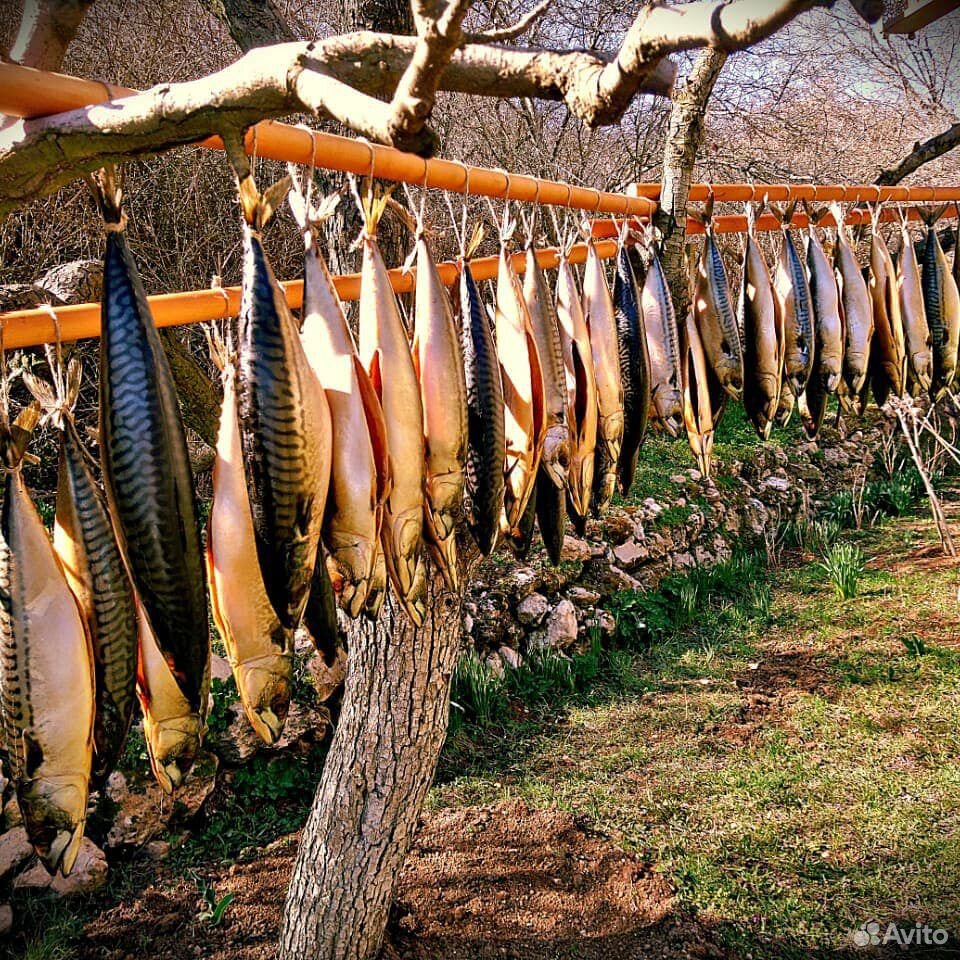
(381, 763)
(684, 139)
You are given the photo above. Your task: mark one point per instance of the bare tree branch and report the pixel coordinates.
(252, 23)
(46, 29)
(339, 78)
(514, 30)
(920, 154)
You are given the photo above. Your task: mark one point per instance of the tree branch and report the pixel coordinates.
(920, 154)
(514, 30)
(252, 23)
(46, 29)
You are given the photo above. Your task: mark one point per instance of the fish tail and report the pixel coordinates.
(16, 437)
(107, 188)
(789, 211)
(930, 215)
(258, 208)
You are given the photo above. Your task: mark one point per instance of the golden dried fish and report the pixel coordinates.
(601, 323)
(697, 415)
(888, 338)
(713, 311)
(916, 332)
(546, 332)
(634, 365)
(85, 543)
(438, 361)
(46, 671)
(796, 304)
(827, 320)
(259, 647)
(663, 344)
(146, 469)
(385, 353)
(857, 309)
(486, 451)
(941, 305)
(760, 319)
(582, 403)
(523, 393)
(284, 421)
(172, 728)
(359, 469)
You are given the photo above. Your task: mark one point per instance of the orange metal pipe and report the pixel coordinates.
(25, 92)
(819, 193)
(30, 328)
(737, 223)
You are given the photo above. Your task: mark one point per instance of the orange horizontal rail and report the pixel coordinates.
(30, 328)
(814, 193)
(737, 223)
(29, 93)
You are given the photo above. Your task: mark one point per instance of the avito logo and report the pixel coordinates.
(872, 934)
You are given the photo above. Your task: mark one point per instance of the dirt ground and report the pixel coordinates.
(496, 881)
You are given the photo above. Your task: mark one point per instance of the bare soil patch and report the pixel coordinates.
(498, 881)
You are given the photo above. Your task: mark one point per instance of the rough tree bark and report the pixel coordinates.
(684, 139)
(380, 767)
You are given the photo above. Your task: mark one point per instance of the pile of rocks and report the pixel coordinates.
(515, 607)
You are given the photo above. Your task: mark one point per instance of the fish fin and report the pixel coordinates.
(309, 215)
(790, 210)
(776, 211)
(272, 199)
(72, 385)
(107, 189)
(697, 216)
(930, 215)
(18, 434)
(42, 392)
(475, 240)
(374, 204)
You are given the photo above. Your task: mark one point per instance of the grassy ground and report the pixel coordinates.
(788, 759)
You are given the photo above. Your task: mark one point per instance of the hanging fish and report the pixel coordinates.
(888, 338)
(697, 415)
(486, 449)
(172, 728)
(582, 403)
(146, 469)
(284, 421)
(521, 538)
(758, 310)
(713, 310)
(259, 647)
(438, 361)
(547, 498)
(786, 404)
(827, 319)
(857, 310)
(46, 670)
(359, 466)
(916, 332)
(320, 614)
(796, 304)
(86, 545)
(385, 353)
(601, 323)
(634, 365)
(523, 390)
(812, 406)
(941, 305)
(663, 344)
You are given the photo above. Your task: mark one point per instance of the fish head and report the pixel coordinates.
(349, 563)
(556, 455)
(173, 744)
(54, 812)
(265, 686)
(922, 365)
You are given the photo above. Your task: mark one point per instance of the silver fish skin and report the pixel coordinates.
(715, 317)
(663, 348)
(546, 332)
(793, 288)
(146, 472)
(46, 675)
(285, 433)
(601, 323)
(761, 321)
(634, 366)
(941, 304)
(828, 323)
(916, 332)
(857, 309)
(485, 417)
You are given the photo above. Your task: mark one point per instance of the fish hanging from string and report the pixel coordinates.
(86, 544)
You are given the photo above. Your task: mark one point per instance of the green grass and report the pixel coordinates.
(789, 760)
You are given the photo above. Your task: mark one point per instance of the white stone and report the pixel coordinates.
(89, 873)
(575, 549)
(630, 553)
(562, 625)
(15, 850)
(583, 596)
(510, 657)
(652, 507)
(531, 610)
